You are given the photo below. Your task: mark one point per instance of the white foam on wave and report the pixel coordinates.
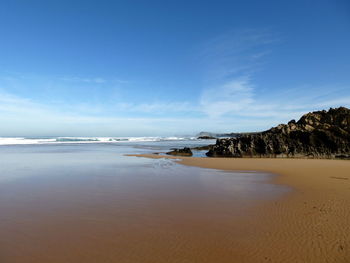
(17, 140)
(67, 140)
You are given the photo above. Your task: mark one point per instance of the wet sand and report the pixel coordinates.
(90, 203)
(309, 224)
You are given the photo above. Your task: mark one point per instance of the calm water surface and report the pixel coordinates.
(90, 203)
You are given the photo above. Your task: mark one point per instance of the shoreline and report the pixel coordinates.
(262, 165)
(310, 223)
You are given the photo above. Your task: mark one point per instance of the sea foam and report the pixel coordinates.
(67, 140)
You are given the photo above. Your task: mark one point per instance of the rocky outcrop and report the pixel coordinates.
(181, 152)
(319, 134)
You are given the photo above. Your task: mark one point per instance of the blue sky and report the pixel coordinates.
(143, 68)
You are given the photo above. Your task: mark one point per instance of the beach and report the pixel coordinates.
(101, 202)
(175, 131)
(308, 224)
(76, 202)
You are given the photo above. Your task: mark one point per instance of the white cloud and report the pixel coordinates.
(229, 103)
(233, 58)
(231, 97)
(237, 100)
(156, 107)
(96, 80)
(236, 53)
(230, 107)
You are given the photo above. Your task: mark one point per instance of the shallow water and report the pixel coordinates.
(90, 203)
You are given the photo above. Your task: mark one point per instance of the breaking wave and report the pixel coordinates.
(24, 140)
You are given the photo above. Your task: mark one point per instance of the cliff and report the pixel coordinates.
(319, 134)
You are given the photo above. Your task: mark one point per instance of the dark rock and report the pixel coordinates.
(343, 156)
(206, 138)
(221, 135)
(202, 148)
(319, 134)
(181, 152)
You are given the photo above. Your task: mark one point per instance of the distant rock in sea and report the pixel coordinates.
(181, 152)
(206, 137)
(210, 135)
(319, 134)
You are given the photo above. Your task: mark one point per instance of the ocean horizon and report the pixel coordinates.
(15, 140)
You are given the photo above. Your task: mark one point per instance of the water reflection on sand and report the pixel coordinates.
(90, 203)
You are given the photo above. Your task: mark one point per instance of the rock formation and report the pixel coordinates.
(319, 134)
(210, 135)
(206, 138)
(181, 152)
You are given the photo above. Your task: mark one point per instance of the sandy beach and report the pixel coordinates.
(91, 203)
(175, 131)
(308, 224)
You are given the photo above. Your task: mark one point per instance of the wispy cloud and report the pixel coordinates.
(23, 117)
(96, 80)
(93, 80)
(237, 52)
(237, 99)
(157, 107)
(232, 94)
(233, 58)
(231, 97)
(232, 107)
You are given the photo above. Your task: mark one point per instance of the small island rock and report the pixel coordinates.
(181, 152)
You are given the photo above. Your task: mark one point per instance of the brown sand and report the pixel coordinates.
(310, 224)
(145, 213)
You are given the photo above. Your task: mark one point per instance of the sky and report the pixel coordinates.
(169, 68)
